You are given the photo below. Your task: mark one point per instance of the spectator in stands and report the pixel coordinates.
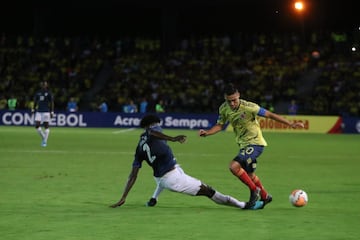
(130, 107)
(269, 61)
(12, 103)
(159, 107)
(143, 105)
(29, 103)
(72, 105)
(3, 102)
(293, 108)
(103, 107)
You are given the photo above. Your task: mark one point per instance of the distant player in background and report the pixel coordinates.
(242, 116)
(153, 148)
(44, 111)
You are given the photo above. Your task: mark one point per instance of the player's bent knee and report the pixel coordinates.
(206, 191)
(236, 169)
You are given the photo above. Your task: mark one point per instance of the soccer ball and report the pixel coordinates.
(298, 198)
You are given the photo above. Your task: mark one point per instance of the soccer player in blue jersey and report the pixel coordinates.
(44, 111)
(153, 148)
(242, 115)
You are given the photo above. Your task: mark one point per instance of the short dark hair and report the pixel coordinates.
(230, 89)
(149, 120)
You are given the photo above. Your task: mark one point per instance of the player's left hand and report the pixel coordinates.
(118, 204)
(52, 114)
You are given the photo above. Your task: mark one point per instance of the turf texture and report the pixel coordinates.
(64, 191)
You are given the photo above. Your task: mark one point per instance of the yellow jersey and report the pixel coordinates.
(244, 122)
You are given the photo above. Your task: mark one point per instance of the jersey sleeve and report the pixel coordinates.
(51, 97)
(222, 115)
(251, 107)
(261, 112)
(137, 158)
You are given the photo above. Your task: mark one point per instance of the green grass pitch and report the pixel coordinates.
(64, 191)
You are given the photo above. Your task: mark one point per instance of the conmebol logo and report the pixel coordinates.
(27, 119)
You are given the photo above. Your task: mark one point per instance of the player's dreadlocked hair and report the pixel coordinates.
(230, 89)
(149, 120)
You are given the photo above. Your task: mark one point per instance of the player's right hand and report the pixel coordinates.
(118, 204)
(202, 133)
(180, 138)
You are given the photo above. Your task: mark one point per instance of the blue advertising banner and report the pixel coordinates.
(109, 119)
(351, 125)
(132, 120)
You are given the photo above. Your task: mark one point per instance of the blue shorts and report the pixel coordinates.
(247, 157)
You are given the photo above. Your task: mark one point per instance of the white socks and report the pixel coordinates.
(43, 134)
(157, 191)
(46, 134)
(220, 198)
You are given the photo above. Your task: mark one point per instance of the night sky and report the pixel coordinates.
(140, 17)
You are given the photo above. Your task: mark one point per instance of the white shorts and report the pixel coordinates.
(178, 181)
(42, 117)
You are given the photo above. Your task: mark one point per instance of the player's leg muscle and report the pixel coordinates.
(236, 168)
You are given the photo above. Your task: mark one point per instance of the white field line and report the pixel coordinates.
(65, 152)
(93, 152)
(123, 130)
(132, 153)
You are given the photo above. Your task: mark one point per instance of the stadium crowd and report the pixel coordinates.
(321, 73)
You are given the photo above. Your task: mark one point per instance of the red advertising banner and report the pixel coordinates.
(313, 124)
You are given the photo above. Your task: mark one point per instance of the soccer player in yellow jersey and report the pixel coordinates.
(242, 115)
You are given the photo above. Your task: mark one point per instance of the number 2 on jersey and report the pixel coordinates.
(146, 148)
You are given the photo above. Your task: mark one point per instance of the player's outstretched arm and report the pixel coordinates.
(34, 107)
(130, 182)
(179, 138)
(216, 128)
(279, 118)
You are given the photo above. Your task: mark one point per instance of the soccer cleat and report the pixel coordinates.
(254, 195)
(255, 206)
(267, 200)
(152, 202)
(43, 143)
